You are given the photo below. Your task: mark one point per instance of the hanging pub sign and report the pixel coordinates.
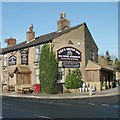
(24, 57)
(70, 64)
(68, 54)
(12, 60)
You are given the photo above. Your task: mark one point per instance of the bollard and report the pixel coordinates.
(80, 90)
(90, 92)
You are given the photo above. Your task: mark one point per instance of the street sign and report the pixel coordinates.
(12, 60)
(24, 57)
(68, 54)
(70, 64)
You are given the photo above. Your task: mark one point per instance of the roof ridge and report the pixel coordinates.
(39, 40)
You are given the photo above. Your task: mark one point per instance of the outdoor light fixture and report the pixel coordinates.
(70, 42)
(78, 44)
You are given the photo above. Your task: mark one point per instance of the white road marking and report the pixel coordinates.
(40, 116)
(117, 106)
(105, 105)
(7, 104)
(62, 103)
(91, 103)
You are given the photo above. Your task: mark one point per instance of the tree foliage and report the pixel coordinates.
(107, 56)
(117, 64)
(73, 79)
(48, 70)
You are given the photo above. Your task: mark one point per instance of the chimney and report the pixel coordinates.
(63, 23)
(30, 35)
(10, 42)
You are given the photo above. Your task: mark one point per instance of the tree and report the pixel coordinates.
(107, 56)
(43, 66)
(53, 70)
(117, 64)
(48, 69)
(73, 79)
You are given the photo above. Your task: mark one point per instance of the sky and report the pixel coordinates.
(100, 17)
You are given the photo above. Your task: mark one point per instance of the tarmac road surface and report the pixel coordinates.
(103, 107)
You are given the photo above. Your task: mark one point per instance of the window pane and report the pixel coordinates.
(37, 53)
(37, 49)
(5, 61)
(60, 73)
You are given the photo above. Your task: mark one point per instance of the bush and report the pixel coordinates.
(73, 79)
(104, 85)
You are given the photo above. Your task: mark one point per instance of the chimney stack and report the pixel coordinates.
(30, 35)
(63, 23)
(10, 41)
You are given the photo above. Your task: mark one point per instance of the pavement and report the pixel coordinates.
(110, 92)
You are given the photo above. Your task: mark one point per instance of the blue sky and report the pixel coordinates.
(100, 17)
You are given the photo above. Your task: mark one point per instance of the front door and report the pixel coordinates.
(23, 78)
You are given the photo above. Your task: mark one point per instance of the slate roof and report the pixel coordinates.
(39, 40)
(91, 65)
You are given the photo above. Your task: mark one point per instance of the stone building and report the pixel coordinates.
(74, 48)
(0, 71)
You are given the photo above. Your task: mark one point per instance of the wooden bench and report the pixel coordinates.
(11, 88)
(20, 90)
(24, 88)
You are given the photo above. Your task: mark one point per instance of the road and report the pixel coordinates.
(103, 107)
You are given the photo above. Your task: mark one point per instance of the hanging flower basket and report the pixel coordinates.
(11, 75)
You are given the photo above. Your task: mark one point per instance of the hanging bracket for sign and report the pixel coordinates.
(68, 54)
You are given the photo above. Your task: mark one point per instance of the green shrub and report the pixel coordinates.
(104, 85)
(73, 79)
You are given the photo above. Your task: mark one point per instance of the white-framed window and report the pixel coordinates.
(37, 53)
(37, 75)
(5, 76)
(5, 60)
(37, 71)
(37, 79)
(60, 73)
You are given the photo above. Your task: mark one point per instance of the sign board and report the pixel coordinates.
(70, 64)
(12, 60)
(68, 54)
(24, 57)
